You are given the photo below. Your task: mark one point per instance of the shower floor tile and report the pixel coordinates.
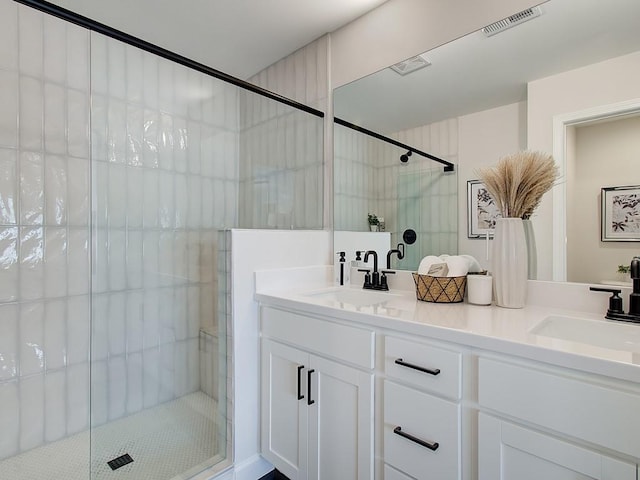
(165, 442)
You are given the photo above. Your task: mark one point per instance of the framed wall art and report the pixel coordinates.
(620, 214)
(481, 210)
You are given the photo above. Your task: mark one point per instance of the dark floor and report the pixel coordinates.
(274, 475)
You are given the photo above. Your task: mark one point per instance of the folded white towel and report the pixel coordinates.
(474, 265)
(458, 266)
(426, 263)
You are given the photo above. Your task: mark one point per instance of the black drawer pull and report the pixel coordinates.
(300, 396)
(435, 371)
(430, 445)
(309, 401)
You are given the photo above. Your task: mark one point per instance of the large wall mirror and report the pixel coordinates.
(564, 80)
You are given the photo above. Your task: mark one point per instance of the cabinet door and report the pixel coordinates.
(393, 474)
(510, 452)
(284, 408)
(340, 422)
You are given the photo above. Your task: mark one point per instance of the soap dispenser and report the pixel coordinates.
(341, 270)
(357, 262)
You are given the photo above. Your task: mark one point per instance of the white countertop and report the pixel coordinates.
(488, 328)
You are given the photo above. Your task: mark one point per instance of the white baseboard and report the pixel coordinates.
(254, 468)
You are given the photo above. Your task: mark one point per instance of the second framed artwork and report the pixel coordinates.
(482, 211)
(620, 214)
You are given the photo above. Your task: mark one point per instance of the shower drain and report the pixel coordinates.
(120, 461)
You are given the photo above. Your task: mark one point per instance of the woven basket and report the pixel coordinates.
(439, 289)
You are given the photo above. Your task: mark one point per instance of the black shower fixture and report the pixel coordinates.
(448, 166)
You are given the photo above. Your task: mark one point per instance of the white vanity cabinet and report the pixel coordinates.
(317, 397)
(448, 411)
(561, 425)
(422, 410)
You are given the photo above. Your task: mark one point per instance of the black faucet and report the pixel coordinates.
(373, 280)
(615, 311)
(399, 251)
(375, 276)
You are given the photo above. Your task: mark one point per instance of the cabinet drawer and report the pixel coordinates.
(576, 407)
(447, 364)
(425, 418)
(343, 342)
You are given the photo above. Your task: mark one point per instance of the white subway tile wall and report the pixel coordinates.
(431, 199)
(44, 229)
(281, 148)
(281, 167)
(120, 175)
(370, 178)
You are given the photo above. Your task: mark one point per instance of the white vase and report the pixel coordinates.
(532, 255)
(510, 263)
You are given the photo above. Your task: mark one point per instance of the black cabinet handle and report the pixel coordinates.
(430, 445)
(309, 401)
(300, 396)
(435, 371)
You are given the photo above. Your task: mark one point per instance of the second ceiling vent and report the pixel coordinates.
(410, 65)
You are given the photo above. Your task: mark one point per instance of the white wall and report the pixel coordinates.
(400, 29)
(608, 82)
(484, 137)
(605, 154)
(277, 249)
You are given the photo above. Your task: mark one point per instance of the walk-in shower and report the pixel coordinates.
(121, 173)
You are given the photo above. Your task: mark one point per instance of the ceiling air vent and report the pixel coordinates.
(410, 65)
(512, 21)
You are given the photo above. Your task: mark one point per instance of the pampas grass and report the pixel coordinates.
(518, 182)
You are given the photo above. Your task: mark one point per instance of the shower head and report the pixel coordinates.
(405, 157)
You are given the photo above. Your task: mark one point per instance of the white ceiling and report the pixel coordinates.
(238, 37)
(476, 73)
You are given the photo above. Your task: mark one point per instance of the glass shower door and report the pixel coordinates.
(427, 203)
(163, 176)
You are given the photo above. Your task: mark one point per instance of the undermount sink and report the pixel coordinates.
(356, 298)
(599, 333)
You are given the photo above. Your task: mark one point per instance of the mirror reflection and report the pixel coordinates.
(547, 83)
(379, 187)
